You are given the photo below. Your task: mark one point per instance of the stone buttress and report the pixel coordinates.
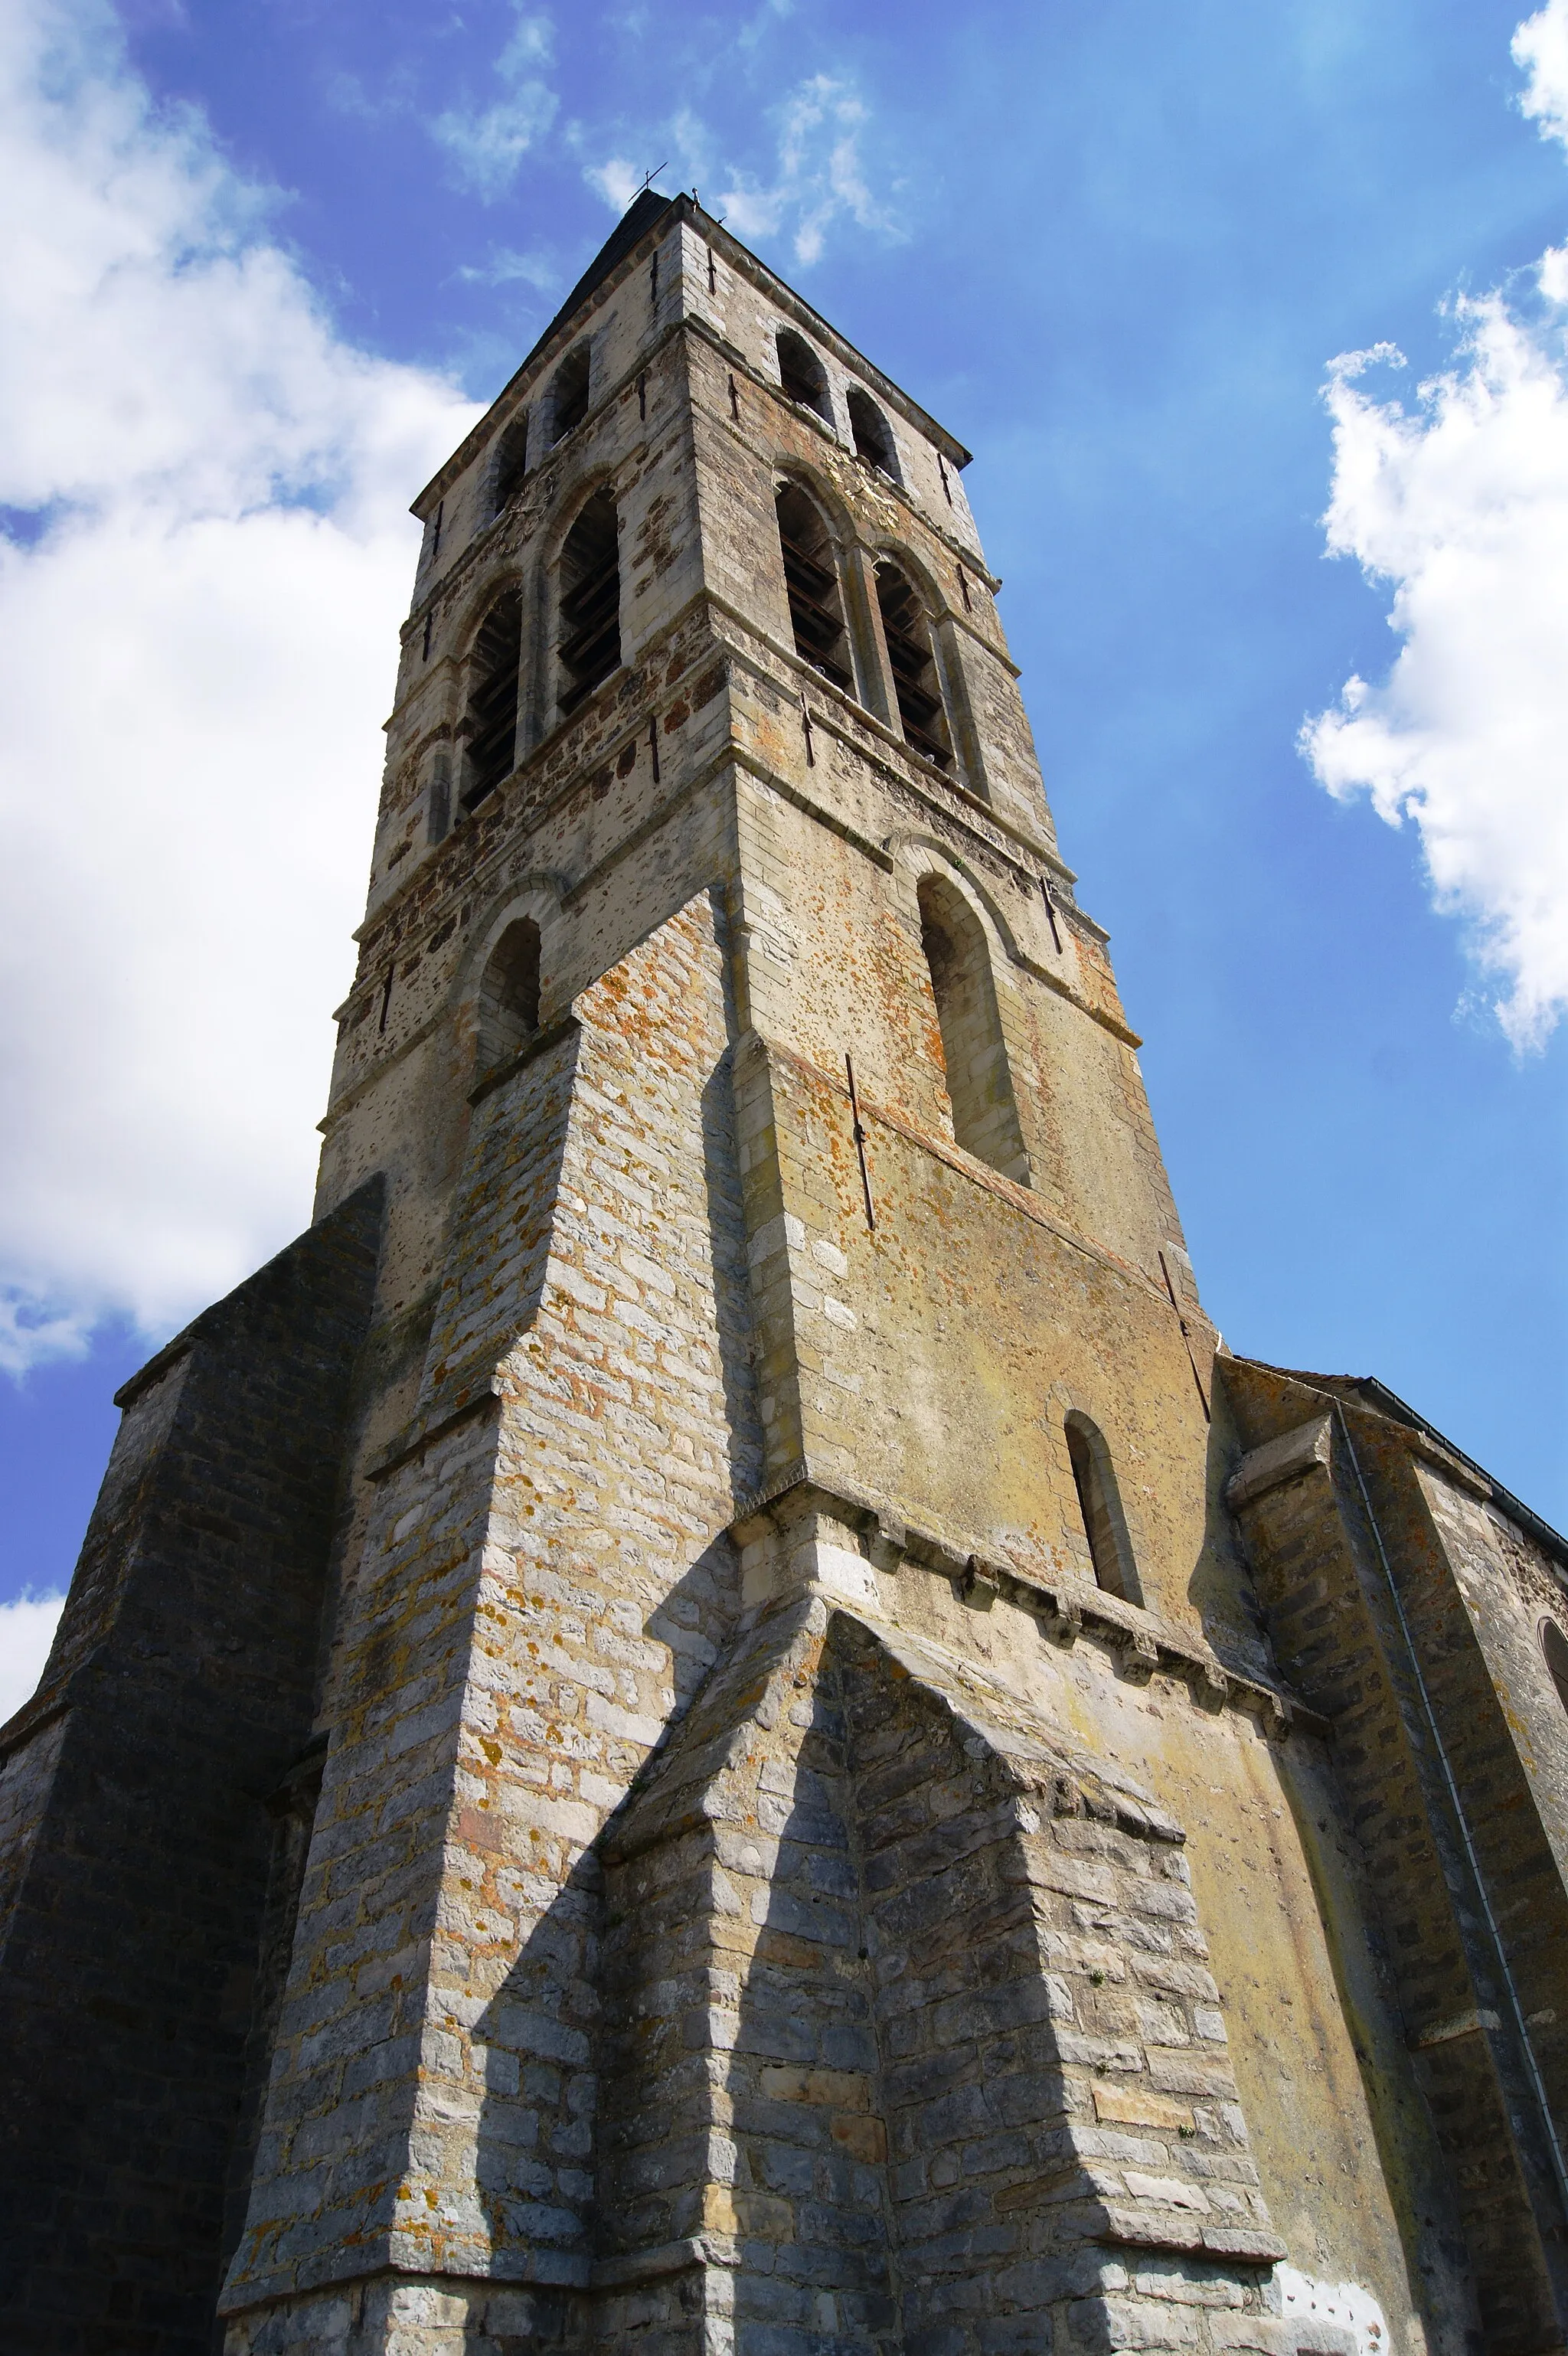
(839, 1777)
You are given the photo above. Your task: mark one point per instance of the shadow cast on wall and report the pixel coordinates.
(864, 1958)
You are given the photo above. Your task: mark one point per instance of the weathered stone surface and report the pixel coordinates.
(157, 1794)
(852, 1783)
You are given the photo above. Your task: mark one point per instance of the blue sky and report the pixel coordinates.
(1117, 250)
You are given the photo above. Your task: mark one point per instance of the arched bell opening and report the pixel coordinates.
(872, 434)
(811, 579)
(569, 394)
(803, 376)
(491, 719)
(511, 464)
(589, 644)
(923, 715)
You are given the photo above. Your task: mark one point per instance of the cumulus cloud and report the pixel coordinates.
(206, 562)
(819, 178)
(27, 1626)
(1541, 51)
(486, 144)
(1458, 503)
(615, 180)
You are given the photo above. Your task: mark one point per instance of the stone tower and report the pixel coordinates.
(708, 1718)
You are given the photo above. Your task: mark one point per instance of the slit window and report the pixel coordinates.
(803, 376)
(1554, 1651)
(811, 578)
(1100, 1510)
(491, 719)
(921, 713)
(511, 462)
(590, 642)
(974, 1053)
(509, 994)
(873, 437)
(569, 394)
(438, 807)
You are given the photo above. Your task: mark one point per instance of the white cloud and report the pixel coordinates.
(1540, 50)
(197, 649)
(487, 145)
(532, 44)
(1460, 502)
(27, 1630)
(819, 155)
(506, 267)
(617, 181)
(818, 180)
(766, 21)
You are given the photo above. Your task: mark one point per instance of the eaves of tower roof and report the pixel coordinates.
(644, 219)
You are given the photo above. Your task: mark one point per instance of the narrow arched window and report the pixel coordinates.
(590, 643)
(1554, 1650)
(1100, 1510)
(921, 713)
(801, 374)
(569, 394)
(511, 463)
(492, 717)
(509, 994)
(873, 437)
(811, 577)
(974, 1056)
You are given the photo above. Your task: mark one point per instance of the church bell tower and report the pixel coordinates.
(784, 1828)
(792, 1301)
(794, 1346)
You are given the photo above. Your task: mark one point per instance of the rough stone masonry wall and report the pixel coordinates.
(178, 1695)
(912, 2042)
(1429, 1520)
(1476, 1591)
(876, 1345)
(1340, 1641)
(545, 1579)
(835, 959)
(1510, 1587)
(566, 838)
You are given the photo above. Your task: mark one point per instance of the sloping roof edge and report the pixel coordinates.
(1369, 1392)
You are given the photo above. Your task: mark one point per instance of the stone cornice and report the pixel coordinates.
(1067, 1608)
